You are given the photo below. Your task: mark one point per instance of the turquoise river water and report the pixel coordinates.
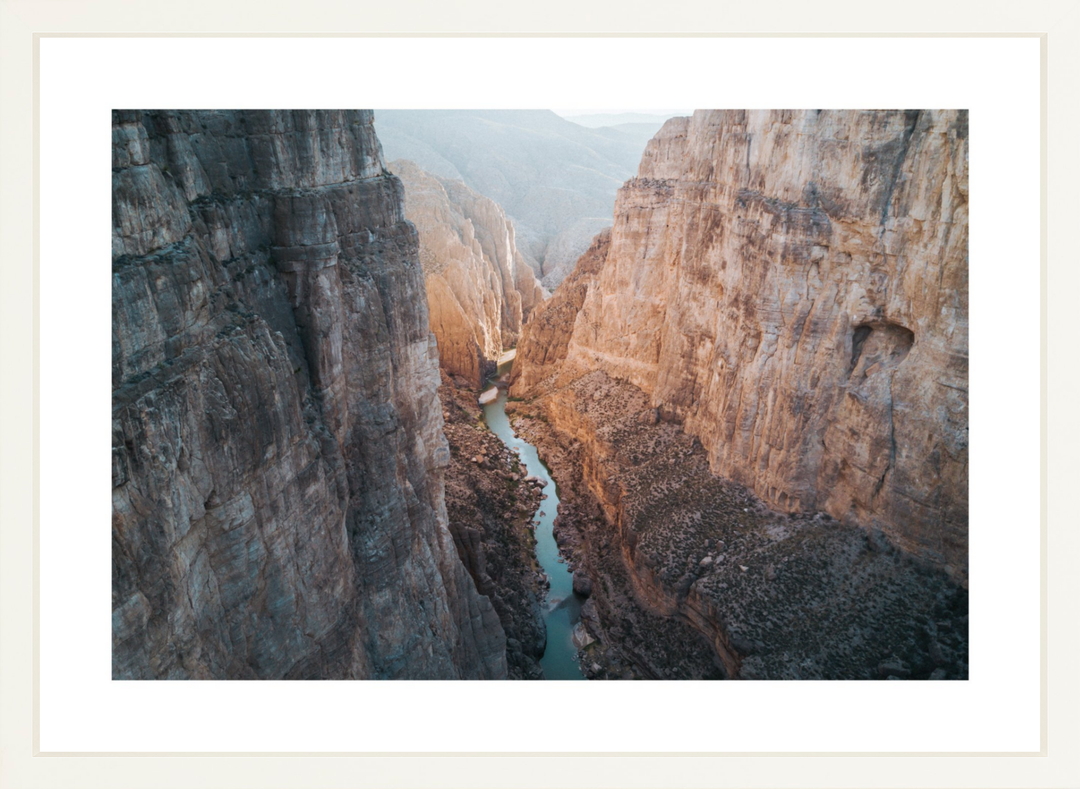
(562, 607)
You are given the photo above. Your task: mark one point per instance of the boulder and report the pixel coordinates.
(894, 667)
(582, 584)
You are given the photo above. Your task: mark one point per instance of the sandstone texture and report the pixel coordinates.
(278, 446)
(791, 289)
(555, 179)
(479, 287)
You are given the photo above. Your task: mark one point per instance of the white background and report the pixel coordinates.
(82, 709)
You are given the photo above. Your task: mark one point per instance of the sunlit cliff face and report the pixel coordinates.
(792, 288)
(479, 288)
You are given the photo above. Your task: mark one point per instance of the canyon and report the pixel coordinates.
(731, 442)
(762, 369)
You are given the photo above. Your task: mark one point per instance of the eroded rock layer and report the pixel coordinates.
(791, 287)
(479, 287)
(278, 447)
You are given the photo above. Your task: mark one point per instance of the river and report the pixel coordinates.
(562, 607)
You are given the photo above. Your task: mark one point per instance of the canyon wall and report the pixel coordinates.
(545, 338)
(278, 447)
(791, 288)
(479, 287)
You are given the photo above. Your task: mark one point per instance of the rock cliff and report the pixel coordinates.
(791, 288)
(545, 338)
(278, 447)
(479, 286)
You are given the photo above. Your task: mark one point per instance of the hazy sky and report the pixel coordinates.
(608, 111)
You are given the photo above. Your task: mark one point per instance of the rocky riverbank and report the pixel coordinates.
(693, 576)
(490, 504)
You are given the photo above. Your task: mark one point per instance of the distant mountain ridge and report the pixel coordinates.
(555, 179)
(615, 119)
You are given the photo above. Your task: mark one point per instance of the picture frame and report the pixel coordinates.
(1056, 28)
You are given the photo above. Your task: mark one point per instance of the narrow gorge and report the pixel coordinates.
(730, 441)
(480, 290)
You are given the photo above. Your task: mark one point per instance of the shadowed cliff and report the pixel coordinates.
(278, 452)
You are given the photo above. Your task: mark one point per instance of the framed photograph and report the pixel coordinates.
(537, 402)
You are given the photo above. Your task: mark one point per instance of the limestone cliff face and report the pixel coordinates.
(278, 452)
(479, 288)
(545, 338)
(792, 288)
